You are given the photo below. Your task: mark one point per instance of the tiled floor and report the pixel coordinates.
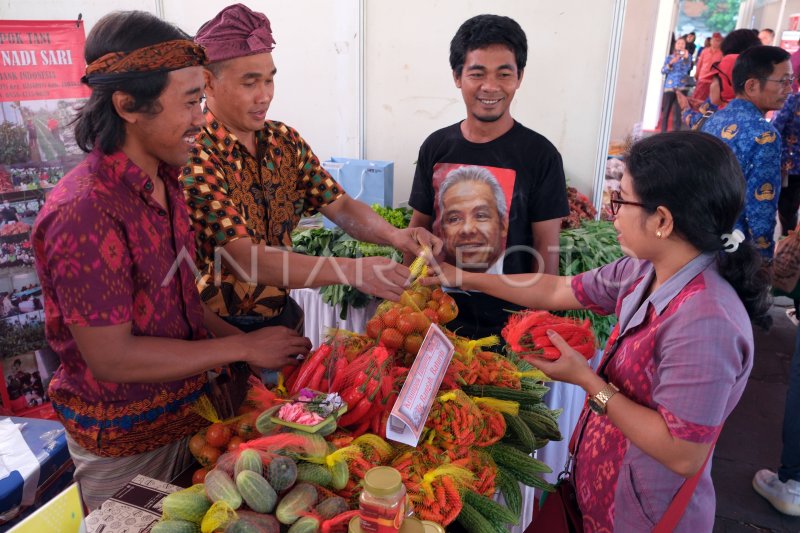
(751, 439)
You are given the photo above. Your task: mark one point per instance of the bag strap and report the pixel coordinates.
(680, 502)
(699, 124)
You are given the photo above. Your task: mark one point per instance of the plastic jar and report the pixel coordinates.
(382, 504)
(410, 525)
(432, 527)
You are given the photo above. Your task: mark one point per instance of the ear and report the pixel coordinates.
(457, 78)
(519, 78)
(209, 80)
(751, 86)
(122, 102)
(663, 221)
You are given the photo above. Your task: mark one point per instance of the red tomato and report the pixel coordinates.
(431, 315)
(389, 318)
(447, 310)
(413, 343)
(218, 435)
(246, 426)
(196, 444)
(391, 338)
(208, 455)
(199, 475)
(234, 443)
(421, 322)
(374, 328)
(446, 313)
(406, 324)
(446, 299)
(437, 294)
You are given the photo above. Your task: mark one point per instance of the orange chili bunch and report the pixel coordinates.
(442, 507)
(485, 470)
(494, 426)
(457, 375)
(494, 369)
(455, 419)
(526, 334)
(435, 494)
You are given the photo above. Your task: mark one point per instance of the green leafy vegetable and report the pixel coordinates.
(323, 242)
(398, 217)
(589, 246)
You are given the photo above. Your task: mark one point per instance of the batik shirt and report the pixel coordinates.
(107, 253)
(677, 73)
(757, 146)
(233, 194)
(685, 351)
(787, 122)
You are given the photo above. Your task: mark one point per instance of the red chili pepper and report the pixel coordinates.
(316, 378)
(361, 429)
(310, 365)
(386, 388)
(339, 369)
(551, 353)
(375, 422)
(351, 396)
(357, 414)
(541, 342)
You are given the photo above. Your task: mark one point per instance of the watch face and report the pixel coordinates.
(596, 407)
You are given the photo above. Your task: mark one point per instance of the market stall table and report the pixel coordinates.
(319, 316)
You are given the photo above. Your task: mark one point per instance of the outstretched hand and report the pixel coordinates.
(416, 240)
(571, 367)
(444, 274)
(274, 347)
(381, 277)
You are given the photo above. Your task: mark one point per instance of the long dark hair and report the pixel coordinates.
(97, 123)
(697, 177)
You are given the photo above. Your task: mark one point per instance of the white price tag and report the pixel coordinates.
(407, 419)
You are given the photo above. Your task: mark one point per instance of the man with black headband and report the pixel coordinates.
(248, 182)
(114, 256)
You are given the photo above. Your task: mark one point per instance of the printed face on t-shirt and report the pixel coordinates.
(471, 215)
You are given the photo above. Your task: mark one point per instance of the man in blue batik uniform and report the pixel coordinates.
(762, 79)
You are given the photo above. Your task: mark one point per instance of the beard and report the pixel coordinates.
(487, 118)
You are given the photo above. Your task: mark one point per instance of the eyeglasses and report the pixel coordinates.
(786, 82)
(616, 201)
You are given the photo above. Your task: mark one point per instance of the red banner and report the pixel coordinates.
(41, 60)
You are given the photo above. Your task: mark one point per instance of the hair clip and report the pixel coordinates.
(731, 241)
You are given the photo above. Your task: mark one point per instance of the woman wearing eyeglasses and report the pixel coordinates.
(678, 360)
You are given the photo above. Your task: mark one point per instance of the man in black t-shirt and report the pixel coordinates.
(488, 56)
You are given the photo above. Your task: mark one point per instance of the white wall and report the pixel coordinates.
(667, 14)
(316, 54)
(634, 67)
(766, 15)
(409, 87)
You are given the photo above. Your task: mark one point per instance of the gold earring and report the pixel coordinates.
(659, 234)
